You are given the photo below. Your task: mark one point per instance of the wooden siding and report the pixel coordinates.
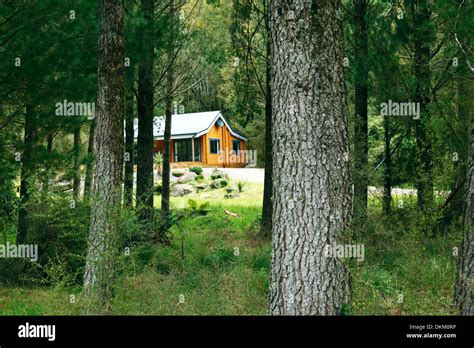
(208, 159)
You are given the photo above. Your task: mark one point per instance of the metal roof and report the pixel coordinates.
(187, 125)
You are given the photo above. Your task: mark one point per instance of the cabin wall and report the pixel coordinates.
(225, 159)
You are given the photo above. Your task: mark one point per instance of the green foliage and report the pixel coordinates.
(199, 209)
(197, 170)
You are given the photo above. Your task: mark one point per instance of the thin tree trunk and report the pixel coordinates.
(76, 166)
(424, 175)
(144, 201)
(90, 160)
(129, 141)
(465, 279)
(311, 163)
(103, 236)
(47, 176)
(165, 192)
(387, 175)
(27, 168)
(266, 224)
(361, 147)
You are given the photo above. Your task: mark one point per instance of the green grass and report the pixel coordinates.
(398, 260)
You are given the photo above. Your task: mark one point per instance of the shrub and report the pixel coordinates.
(240, 186)
(199, 178)
(197, 170)
(216, 175)
(218, 183)
(200, 209)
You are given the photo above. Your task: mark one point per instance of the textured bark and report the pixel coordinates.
(129, 140)
(465, 279)
(47, 174)
(424, 175)
(267, 209)
(90, 161)
(76, 166)
(311, 163)
(361, 146)
(144, 199)
(27, 169)
(165, 190)
(103, 235)
(387, 175)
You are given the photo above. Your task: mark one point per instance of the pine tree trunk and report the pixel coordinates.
(90, 160)
(76, 167)
(424, 175)
(47, 176)
(266, 224)
(144, 201)
(361, 147)
(387, 175)
(129, 141)
(465, 279)
(311, 163)
(27, 169)
(165, 190)
(103, 235)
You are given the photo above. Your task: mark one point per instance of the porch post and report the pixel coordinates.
(192, 147)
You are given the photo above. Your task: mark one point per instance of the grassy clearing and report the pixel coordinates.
(215, 278)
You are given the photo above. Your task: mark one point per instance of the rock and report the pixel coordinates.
(180, 190)
(217, 174)
(178, 173)
(202, 186)
(187, 177)
(230, 189)
(218, 183)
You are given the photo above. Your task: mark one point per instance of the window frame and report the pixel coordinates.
(218, 146)
(236, 142)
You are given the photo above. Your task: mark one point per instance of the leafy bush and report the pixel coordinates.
(60, 232)
(217, 175)
(197, 170)
(199, 177)
(199, 209)
(240, 186)
(218, 183)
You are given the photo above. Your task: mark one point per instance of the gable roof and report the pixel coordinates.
(187, 125)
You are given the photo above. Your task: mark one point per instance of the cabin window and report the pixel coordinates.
(183, 150)
(236, 146)
(215, 146)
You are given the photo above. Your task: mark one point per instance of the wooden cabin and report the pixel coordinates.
(200, 139)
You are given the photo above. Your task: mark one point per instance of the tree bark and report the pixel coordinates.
(387, 175)
(165, 191)
(27, 169)
(424, 175)
(90, 160)
(47, 175)
(144, 201)
(361, 146)
(311, 163)
(465, 278)
(129, 141)
(267, 211)
(76, 166)
(103, 235)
